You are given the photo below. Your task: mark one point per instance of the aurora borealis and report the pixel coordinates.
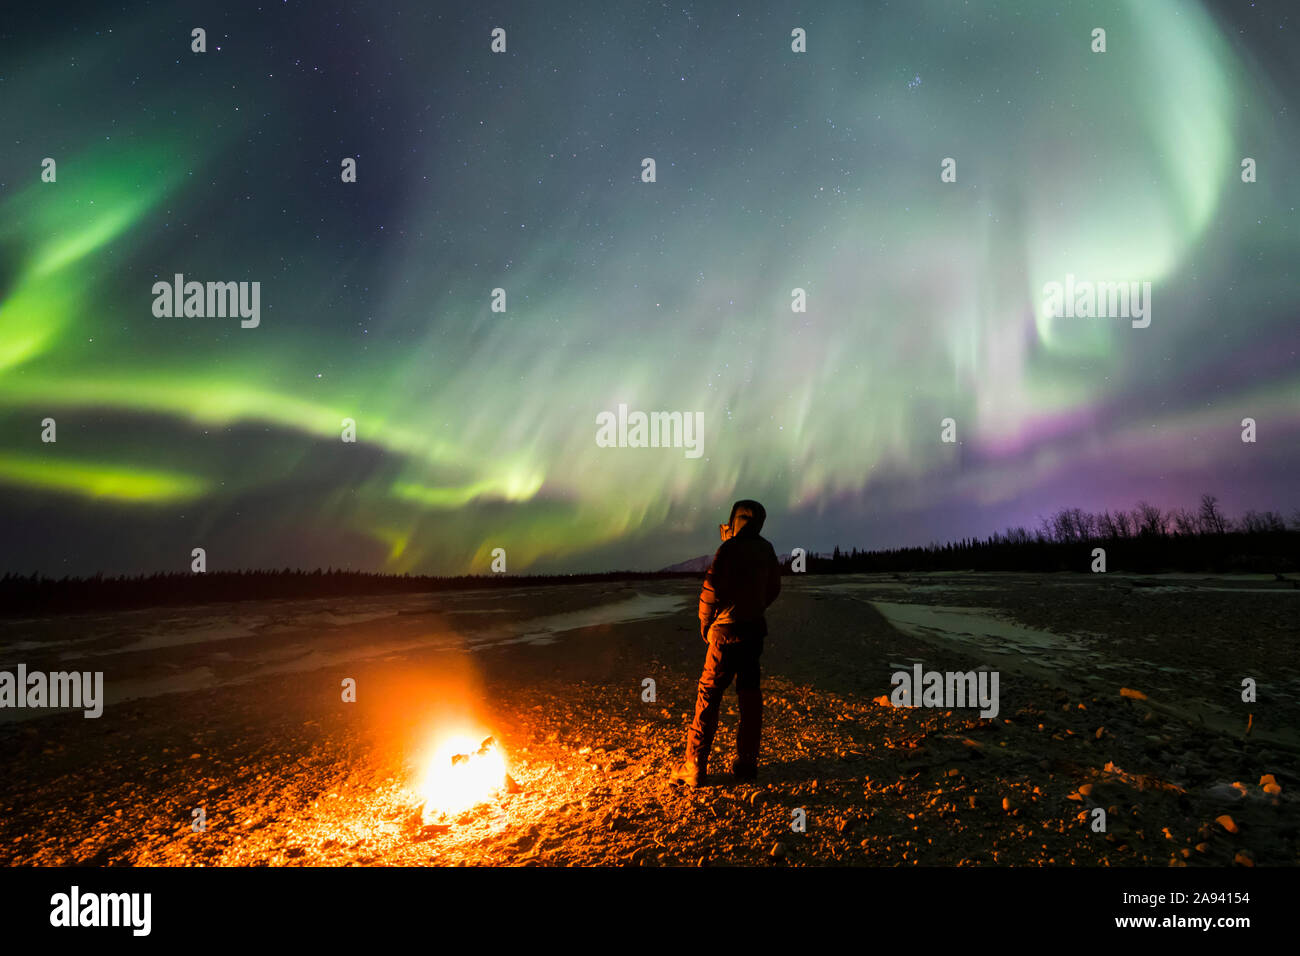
(521, 170)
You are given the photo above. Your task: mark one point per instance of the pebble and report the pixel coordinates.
(1225, 793)
(429, 832)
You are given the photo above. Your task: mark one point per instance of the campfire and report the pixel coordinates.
(461, 775)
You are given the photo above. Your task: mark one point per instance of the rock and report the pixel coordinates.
(1227, 823)
(1226, 793)
(778, 851)
(511, 786)
(528, 837)
(1244, 858)
(429, 832)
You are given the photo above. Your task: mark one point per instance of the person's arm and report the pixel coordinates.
(708, 601)
(773, 580)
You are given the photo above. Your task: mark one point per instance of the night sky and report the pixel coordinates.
(522, 170)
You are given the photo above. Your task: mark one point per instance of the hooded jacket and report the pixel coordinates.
(742, 581)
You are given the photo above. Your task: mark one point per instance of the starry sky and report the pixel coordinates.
(522, 170)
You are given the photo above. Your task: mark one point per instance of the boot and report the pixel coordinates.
(692, 770)
(688, 774)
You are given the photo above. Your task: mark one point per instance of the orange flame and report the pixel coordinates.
(461, 774)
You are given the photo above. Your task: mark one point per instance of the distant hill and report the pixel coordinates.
(694, 565)
(701, 564)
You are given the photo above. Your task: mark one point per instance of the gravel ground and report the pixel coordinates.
(257, 735)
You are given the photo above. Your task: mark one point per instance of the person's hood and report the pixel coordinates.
(747, 517)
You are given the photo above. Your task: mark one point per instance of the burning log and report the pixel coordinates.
(487, 745)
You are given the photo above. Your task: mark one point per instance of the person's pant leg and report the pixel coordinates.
(749, 690)
(718, 672)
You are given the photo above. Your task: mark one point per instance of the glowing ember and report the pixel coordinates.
(461, 775)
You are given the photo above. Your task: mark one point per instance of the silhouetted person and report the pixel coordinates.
(742, 581)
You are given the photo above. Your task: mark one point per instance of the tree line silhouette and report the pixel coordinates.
(1146, 540)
